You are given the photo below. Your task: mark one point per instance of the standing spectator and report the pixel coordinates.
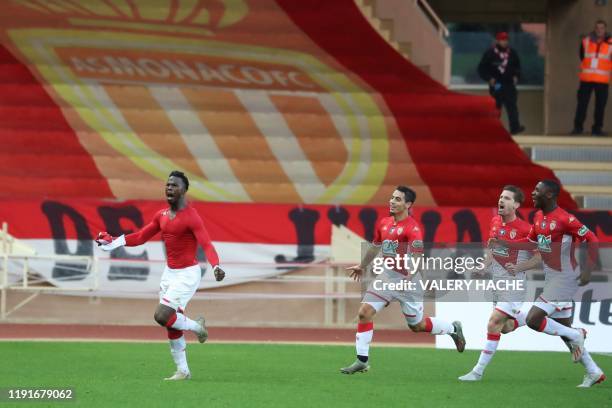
(595, 54)
(501, 68)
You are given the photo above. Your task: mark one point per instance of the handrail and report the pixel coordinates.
(433, 16)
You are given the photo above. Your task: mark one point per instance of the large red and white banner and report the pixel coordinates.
(256, 101)
(253, 240)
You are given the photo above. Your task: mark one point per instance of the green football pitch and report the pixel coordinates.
(270, 375)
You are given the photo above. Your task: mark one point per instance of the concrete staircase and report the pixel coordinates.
(583, 164)
(414, 30)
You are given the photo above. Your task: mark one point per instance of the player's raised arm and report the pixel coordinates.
(108, 242)
(205, 242)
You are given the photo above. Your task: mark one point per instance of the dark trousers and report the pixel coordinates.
(584, 95)
(507, 96)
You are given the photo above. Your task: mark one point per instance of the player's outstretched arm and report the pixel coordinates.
(107, 242)
(357, 270)
(205, 242)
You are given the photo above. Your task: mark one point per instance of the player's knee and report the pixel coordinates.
(418, 327)
(364, 316)
(160, 317)
(534, 322)
(366, 313)
(495, 324)
(509, 326)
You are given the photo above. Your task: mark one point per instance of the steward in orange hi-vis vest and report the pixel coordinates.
(595, 66)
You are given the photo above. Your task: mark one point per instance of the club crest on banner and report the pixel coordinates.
(187, 65)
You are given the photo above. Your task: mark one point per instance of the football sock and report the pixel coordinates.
(554, 328)
(181, 322)
(177, 349)
(487, 353)
(438, 326)
(363, 338)
(586, 360)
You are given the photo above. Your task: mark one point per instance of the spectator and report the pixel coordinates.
(594, 76)
(501, 68)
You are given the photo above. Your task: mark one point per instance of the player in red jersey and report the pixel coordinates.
(507, 315)
(181, 230)
(556, 234)
(398, 234)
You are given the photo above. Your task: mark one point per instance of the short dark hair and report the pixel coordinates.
(409, 194)
(519, 196)
(552, 186)
(182, 176)
(600, 21)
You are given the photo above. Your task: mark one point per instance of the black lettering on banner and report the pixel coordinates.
(368, 217)
(605, 312)
(338, 215)
(585, 308)
(304, 221)
(112, 221)
(430, 220)
(56, 214)
(467, 227)
(467, 224)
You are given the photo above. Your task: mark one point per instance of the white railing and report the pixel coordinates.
(433, 17)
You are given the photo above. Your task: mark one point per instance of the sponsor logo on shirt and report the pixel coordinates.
(544, 242)
(501, 251)
(583, 230)
(389, 247)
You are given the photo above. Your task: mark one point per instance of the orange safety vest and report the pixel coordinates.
(596, 64)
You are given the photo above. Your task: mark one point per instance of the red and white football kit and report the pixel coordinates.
(511, 301)
(397, 238)
(557, 234)
(181, 236)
